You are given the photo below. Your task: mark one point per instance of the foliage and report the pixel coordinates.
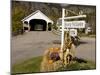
(17, 15)
(21, 9)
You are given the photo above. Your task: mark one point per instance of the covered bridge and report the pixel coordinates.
(37, 21)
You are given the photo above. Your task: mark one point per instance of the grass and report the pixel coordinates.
(79, 64)
(29, 66)
(33, 66)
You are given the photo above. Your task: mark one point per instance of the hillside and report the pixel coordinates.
(21, 9)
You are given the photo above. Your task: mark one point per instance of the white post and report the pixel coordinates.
(47, 27)
(62, 35)
(28, 27)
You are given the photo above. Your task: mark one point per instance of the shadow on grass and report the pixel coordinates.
(78, 64)
(79, 60)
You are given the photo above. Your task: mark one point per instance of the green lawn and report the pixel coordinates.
(33, 65)
(79, 64)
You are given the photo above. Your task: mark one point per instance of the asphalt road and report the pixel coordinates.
(87, 49)
(31, 44)
(34, 43)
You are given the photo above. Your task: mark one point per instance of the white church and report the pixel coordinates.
(37, 21)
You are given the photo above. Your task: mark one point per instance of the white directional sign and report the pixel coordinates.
(73, 32)
(74, 24)
(74, 17)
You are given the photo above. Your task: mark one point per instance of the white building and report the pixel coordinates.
(37, 21)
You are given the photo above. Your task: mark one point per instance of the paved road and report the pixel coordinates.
(34, 43)
(31, 44)
(86, 49)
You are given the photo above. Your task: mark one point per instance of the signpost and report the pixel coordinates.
(70, 24)
(62, 32)
(62, 36)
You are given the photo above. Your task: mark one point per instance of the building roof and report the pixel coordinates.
(38, 15)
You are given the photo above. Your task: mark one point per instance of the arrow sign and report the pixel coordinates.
(74, 17)
(75, 24)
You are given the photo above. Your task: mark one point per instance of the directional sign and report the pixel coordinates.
(73, 32)
(74, 17)
(74, 24)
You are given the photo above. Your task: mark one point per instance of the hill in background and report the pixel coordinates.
(21, 9)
